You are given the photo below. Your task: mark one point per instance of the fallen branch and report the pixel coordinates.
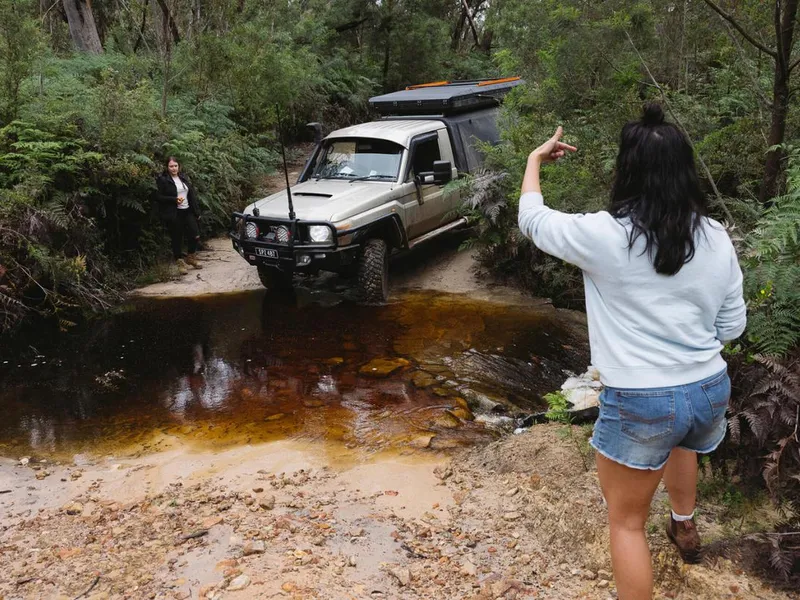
(89, 589)
(193, 535)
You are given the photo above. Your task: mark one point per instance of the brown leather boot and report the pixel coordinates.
(685, 537)
(192, 260)
(182, 268)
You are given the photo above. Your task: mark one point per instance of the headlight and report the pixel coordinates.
(320, 233)
(251, 230)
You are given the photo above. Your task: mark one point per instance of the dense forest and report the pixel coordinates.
(95, 95)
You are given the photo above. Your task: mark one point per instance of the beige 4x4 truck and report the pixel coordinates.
(375, 188)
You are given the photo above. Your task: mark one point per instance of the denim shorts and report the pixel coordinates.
(639, 427)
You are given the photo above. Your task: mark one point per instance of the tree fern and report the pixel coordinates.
(772, 270)
(763, 424)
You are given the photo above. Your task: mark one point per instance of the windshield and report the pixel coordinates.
(362, 158)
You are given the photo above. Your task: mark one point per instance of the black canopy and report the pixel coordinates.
(445, 97)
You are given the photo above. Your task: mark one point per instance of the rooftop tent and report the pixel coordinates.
(444, 97)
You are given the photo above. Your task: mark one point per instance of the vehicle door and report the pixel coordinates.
(428, 208)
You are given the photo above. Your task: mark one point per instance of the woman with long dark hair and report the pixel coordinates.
(663, 293)
(180, 211)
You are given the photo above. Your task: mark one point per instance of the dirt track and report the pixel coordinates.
(438, 266)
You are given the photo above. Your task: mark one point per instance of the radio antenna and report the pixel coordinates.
(285, 167)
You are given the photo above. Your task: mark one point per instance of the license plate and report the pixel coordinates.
(268, 252)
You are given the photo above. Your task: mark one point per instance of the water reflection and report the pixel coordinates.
(255, 367)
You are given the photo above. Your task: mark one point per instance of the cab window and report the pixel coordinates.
(425, 154)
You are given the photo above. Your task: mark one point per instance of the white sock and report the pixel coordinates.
(679, 518)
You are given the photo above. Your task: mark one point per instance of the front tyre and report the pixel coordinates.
(274, 279)
(373, 272)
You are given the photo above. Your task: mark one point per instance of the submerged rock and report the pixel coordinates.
(383, 367)
(447, 420)
(423, 379)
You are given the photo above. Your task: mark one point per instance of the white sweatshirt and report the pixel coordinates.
(646, 330)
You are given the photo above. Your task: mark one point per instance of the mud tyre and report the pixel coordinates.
(373, 272)
(274, 279)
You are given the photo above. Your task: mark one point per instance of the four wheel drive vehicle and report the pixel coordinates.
(374, 188)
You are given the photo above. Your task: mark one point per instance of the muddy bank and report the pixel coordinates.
(520, 518)
(438, 265)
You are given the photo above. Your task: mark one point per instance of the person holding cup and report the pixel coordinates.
(180, 211)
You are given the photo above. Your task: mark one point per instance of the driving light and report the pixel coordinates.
(251, 229)
(282, 234)
(320, 233)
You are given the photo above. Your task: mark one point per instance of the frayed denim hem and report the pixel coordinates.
(623, 463)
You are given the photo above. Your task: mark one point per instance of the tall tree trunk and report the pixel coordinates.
(471, 21)
(486, 41)
(784, 25)
(386, 54)
(458, 31)
(140, 37)
(167, 56)
(82, 27)
(385, 28)
(780, 108)
(176, 38)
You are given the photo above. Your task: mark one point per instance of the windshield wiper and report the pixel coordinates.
(367, 177)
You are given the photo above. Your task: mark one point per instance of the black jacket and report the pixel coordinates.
(167, 197)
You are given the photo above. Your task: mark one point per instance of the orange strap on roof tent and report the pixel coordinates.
(425, 85)
(493, 81)
(478, 82)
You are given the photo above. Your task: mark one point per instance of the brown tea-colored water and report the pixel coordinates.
(255, 367)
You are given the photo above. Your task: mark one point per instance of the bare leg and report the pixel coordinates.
(680, 477)
(629, 493)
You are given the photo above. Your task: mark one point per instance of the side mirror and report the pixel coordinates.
(442, 172)
(317, 127)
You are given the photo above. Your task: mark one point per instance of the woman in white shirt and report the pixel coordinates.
(663, 293)
(180, 211)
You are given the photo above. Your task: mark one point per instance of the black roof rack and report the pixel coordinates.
(444, 97)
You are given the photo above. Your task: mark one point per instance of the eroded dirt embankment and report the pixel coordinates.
(520, 518)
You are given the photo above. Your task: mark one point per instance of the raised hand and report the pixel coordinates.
(552, 149)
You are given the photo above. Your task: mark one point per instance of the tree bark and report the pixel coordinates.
(458, 31)
(386, 55)
(471, 23)
(784, 25)
(140, 37)
(176, 38)
(82, 27)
